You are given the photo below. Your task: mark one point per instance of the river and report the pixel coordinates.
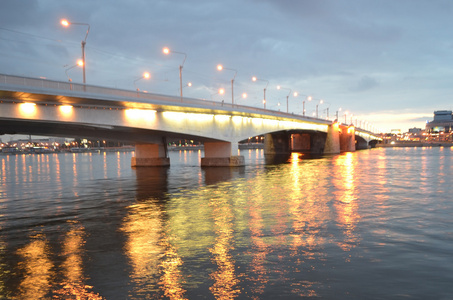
(372, 224)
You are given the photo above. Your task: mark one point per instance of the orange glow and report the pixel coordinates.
(221, 91)
(37, 269)
(219, 67)
(295, 94)
(189, 84)
(166, 50)
(351, 129)
(27, 109)
(80, 63)
(146, 75)
(244, 95)
(309, 98)
(66, 109)
(65, 22)
(254, 78)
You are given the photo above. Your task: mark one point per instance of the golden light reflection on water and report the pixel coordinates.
(346, 195)
(258, 273)
(171, 279)
(37, 268)
(143, 228)
(225, 278)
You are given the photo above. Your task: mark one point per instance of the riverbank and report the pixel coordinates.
(414, 144)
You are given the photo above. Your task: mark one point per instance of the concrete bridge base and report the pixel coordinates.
(219, 154)
(150, 155)
(279, 145)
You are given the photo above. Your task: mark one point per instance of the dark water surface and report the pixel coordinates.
(374, 224)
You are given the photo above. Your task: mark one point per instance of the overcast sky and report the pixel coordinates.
(389, 62)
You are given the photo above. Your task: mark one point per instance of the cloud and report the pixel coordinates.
(365, 83)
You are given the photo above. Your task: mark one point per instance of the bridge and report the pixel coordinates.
(55, 108)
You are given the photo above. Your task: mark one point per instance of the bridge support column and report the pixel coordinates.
(277, 147)
(150, 155)
(347, 139)
(332, 145)
(219, 154)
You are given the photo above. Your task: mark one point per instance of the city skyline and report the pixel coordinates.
(386, 63)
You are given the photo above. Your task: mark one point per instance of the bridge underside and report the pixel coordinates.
(114, 133)
(151, 144)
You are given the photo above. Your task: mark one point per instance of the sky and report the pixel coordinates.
(386, 62)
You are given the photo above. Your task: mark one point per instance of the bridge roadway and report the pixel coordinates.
(54, 108)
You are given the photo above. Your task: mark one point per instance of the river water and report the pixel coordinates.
(374, 224)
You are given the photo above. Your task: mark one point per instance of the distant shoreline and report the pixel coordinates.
(414, 144)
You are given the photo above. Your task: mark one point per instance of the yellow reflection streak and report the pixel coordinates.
(72, 249)
(142, 227)
(225, 279)
(260, 249)
(346, 206)
(72, 267)
(37, 269)
(171, 278)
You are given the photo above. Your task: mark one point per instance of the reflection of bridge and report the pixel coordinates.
(53, 108)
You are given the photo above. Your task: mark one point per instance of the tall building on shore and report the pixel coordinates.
(443, 122)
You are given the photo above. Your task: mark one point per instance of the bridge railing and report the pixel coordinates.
(136, 96)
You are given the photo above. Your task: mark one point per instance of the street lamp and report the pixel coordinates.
(221, 91)
(66, 23)
(267, 83)
(337, 114)
(320, 102)
(282, 88)
(220, 68)
(145, 75)
(79, 63)
(303, 105)
(167, 51)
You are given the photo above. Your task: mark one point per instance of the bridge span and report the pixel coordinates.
(54, 108)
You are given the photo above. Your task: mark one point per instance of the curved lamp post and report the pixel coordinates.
(66, 23)
(146, 75)
(320, 102)
(79, 63)
(287, 96)
(220, 68)
(168, 51)
(267, 83)
(221, 91)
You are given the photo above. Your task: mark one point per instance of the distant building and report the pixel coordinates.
(415, 130)
(443, 122)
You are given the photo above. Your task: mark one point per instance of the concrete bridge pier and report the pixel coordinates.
(332, 145)
(277, 147)
(150, 155)
(347, 138)
(221, 154)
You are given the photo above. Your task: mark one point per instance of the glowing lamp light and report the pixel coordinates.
(80, 63)
(221, 91)
(189, 84)
(166, 50)
(295, 94)
(27, 109)
(244, 95)
(146, 75)
(65, 22)
(219, 67)
(66, 109)
(254, 78)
